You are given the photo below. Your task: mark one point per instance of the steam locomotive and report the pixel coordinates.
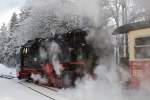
(59, 60)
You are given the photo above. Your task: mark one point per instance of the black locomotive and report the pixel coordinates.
(61, 59)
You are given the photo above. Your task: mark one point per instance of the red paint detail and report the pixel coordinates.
(54, 80)
(26, 71)
(139, 71)
(48, 69)
(78, 62)
(18, 74)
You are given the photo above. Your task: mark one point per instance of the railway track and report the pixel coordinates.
(47, 87)
(34, 87)
(40, 85)
(51, 98)
(44, 86)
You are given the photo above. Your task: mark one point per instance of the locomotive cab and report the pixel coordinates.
(30, 58)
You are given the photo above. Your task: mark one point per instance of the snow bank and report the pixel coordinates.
(11, 90)
(7, 71)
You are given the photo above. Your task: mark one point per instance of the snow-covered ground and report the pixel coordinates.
(4, 70)
(11, 89)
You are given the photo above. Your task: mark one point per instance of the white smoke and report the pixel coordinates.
(109, 84)
(43, 53)
(51, 52)
(57, 65)
(105, 87)
(54, 52)
(48, 17)
(145, 78)
(38, 78)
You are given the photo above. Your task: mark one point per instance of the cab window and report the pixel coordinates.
(25, 50)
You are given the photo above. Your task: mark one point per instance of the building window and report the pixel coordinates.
(142, 48)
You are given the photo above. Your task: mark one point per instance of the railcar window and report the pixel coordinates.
(142, 41)
(142, 48)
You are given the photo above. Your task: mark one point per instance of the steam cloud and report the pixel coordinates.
(55, 51)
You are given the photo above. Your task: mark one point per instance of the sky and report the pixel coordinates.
(7, 7)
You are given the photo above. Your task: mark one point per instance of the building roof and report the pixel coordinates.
(131, 27)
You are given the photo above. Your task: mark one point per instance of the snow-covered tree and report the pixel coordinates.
(9, 51)
(24, 14)
(13, 22)
(142, 10)
(53, 17)
(3, 42)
